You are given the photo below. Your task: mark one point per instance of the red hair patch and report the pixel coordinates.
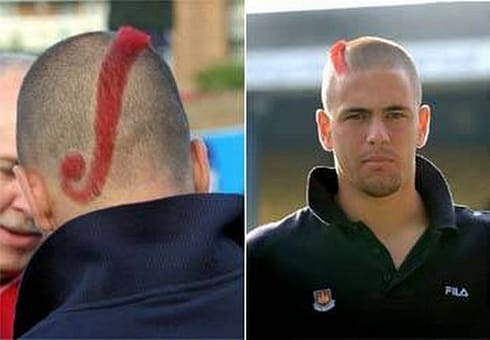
(112, 80)
(337, 57)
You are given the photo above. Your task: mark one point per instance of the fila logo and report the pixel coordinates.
(455, 291)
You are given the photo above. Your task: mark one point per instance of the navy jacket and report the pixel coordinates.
(168, 268)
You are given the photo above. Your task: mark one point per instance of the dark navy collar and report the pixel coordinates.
(129, 249)
(429, 182)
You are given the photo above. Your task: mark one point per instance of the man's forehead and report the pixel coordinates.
(376, 85)
(10, 82)
(378, 77)
(8, 144)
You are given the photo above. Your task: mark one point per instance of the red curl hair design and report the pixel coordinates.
(111, 82)
(337, 57)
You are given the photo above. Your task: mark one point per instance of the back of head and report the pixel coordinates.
(98, 113)
(363, 54)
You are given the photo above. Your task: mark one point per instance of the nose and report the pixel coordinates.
(377, 132)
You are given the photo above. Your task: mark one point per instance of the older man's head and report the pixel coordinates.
(18, 236)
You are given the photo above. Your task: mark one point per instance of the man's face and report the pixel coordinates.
(18, 236)
(375, 128)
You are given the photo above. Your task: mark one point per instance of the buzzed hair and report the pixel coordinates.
(57, 108)
(366, 53)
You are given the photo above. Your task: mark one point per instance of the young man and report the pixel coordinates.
(380, 249)
(139, 248)
(18, 236)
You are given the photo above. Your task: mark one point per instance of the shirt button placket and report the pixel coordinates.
(387, 277)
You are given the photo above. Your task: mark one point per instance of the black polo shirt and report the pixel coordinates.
(318, 274)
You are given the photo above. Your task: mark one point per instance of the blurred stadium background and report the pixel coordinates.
(286, 51)
(201, 40)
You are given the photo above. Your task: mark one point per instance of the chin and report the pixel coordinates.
(9, 272)
(382, 187)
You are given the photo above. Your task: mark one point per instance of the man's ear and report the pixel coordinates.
(423, 125)
(200, 166)
(324, 129)
(37, 198)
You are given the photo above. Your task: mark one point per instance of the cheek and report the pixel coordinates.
(6, 197)
(345, 139)
(405, 135)
(347, 145)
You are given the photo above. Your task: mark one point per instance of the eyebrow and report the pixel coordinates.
(354, 109)
(396, 108)
(359, 109)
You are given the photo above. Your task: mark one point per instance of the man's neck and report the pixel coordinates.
(116, 195)
(8, 280)
(397, 220)
(386, 214)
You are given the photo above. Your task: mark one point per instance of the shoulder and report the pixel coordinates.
(277, 229)
(281, 232)
(466, 217)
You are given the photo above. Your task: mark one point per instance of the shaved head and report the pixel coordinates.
(362, 54)
(70, 122)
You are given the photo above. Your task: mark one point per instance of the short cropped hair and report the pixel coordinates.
(57, 106)
(367, 53)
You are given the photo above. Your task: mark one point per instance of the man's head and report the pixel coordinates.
(101, 124)
(18, 237)
(372, 119)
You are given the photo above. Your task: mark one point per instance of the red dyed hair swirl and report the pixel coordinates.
(337, 57)
(111, 82)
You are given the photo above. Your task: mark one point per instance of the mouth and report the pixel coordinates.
(377, 159)
(377, 162)
(19, 239)
(20, 232)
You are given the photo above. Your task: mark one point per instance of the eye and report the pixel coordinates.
(395, 114)
(7, 169)
(356, 116)
(7, 172)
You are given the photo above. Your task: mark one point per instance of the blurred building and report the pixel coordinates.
(286, 53)
(206, 33)
(32, 26)
(199, 33)
(192, 35)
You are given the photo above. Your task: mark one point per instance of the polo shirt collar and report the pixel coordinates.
(429, 182)
(132, 249)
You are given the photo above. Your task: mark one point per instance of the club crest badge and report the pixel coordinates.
(322, 300)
